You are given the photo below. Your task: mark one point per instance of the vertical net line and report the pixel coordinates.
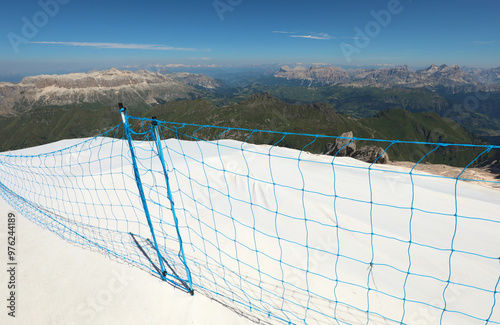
(196, 204)
(410, 226)
(371, 264)
(337, 235)
(455, 228)
(254, 230)
(175, 172)
(494, 300)
(232, 217)
(276, 214)
(212, 212)
(304, 215)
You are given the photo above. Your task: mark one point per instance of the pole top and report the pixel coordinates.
(121, 107)
(123, 112)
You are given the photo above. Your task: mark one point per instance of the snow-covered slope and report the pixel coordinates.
(274, 234)
(58, 283)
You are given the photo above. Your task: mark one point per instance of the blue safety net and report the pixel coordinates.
(269, 227)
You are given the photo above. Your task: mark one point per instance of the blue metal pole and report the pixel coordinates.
(156, 138)
(123, 112)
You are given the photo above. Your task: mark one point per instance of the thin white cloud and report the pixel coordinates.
(321, 36)
(318, 36)
(484, 42)
(122, 46)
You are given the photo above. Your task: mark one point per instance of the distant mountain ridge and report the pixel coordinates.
(145, 88)
(141, 88)
(486, 76)
(450, 91)
(452, 77)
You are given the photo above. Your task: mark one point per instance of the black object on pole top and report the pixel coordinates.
(155, 122)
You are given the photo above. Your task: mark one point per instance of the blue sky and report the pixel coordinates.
(57, 35)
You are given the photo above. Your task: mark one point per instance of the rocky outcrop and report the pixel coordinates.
(105, 87)
(371, 154)
(345, 147)
(492, 164)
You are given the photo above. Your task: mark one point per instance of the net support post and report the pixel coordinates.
(123, 112)
(156, 138)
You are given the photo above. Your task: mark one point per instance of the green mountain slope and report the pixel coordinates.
(260, 111)
(478, 112)
(398, 124)
(265, 112)
(49, 124)
(356, 101)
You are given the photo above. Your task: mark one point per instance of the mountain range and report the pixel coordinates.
(155, 85)
(469, 96)
(451, 77)
(137, 89)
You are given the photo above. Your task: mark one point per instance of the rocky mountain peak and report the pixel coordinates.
(430, 70)
(113, 71)
(285, 68)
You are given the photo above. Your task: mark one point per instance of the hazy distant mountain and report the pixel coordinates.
(452, 77)
(231, 76)
(315, 74)
(486, 76)
(106, 87)
(196, 80)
